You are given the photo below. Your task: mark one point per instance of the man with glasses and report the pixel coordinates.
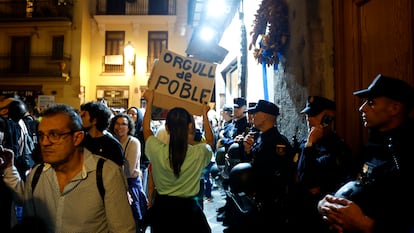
(66, 197)
(380, 199)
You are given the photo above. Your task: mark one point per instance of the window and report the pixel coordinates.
(57, 47)
(114, 45)
(20, 54)
(114, 42)
(231, 79)
(116, 97)
(157, 41)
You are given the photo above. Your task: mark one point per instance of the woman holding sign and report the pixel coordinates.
(176, 171)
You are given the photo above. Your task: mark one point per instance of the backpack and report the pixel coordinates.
(99, 182)
(18, 138)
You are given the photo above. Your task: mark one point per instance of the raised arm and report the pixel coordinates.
(208, 132)
(146, 122)
(11, 176)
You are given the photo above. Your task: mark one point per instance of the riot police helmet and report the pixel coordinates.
(221, 156)
(241, 178)
(17, 110)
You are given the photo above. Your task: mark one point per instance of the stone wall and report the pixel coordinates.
(307, 67)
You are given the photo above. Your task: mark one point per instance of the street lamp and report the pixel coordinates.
(129, 56)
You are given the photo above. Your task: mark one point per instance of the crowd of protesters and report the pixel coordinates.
(95, 170)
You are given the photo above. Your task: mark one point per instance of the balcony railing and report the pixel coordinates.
(136, 7)
(118, 67)
(112, 67)
(33, 66)
(35, 9)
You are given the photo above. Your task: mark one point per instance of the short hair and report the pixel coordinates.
(98, 111)
(75, 123)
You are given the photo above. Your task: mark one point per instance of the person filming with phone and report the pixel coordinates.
(324, 164)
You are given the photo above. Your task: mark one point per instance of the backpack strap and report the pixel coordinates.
(36, 175)
(99, 181)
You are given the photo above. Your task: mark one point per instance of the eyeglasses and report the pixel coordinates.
(52, 136)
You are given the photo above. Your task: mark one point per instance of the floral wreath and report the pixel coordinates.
(271, 24)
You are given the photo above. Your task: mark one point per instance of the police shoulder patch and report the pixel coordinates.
(281, 149)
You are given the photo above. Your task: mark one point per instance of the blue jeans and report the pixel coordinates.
(207, 181)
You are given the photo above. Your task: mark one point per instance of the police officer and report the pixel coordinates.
(250, 117)
(325, 162)
(240, 118)
(272, 169)
(380, 200)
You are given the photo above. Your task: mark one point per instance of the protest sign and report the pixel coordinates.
(180, 81)
(44, 101)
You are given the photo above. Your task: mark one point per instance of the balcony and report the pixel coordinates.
(135, 12)
(34, 10)
(33, 66)
(113, 64)
(135, 7)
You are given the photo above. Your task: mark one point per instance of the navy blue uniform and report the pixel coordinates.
(272, 166)
(325, 166)
(240, 126)
(384, 189)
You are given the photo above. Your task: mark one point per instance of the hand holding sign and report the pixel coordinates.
(180, 81)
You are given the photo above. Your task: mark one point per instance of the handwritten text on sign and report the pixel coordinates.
(184, 78)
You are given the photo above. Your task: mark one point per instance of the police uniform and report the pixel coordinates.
(326, 164)
(241, 124)
(273, 173)
(228, 129)
(384, 189)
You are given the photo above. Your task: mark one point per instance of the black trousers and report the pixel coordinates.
(176, 214)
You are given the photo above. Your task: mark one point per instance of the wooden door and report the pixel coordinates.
(371, 37)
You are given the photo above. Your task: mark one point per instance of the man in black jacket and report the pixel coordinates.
(272, 173)
(380, 199)
(95, 121)
(240, 119)
(325, 162)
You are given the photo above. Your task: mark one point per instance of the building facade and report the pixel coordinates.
(74, 51)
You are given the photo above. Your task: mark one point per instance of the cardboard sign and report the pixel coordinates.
(44, 101)
(180, 81)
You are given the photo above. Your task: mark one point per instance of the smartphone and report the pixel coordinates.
(326, 121)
